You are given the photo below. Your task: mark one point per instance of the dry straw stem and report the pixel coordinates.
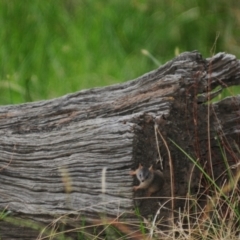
(171, 169)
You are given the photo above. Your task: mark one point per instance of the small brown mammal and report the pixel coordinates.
(151, 180)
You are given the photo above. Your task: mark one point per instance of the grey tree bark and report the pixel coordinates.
(71, 156)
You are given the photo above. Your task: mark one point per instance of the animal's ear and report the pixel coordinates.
(151, 168)
(140, 166)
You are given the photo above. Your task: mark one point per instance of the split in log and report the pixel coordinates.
(72, 155)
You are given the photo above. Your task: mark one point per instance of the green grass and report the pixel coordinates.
(51, 48)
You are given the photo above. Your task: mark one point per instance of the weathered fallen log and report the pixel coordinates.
(72, 155)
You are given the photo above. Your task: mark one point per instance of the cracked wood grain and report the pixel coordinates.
(52, 153)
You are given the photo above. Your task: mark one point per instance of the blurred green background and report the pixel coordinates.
(49, 48)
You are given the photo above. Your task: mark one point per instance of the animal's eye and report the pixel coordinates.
(140, 175)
